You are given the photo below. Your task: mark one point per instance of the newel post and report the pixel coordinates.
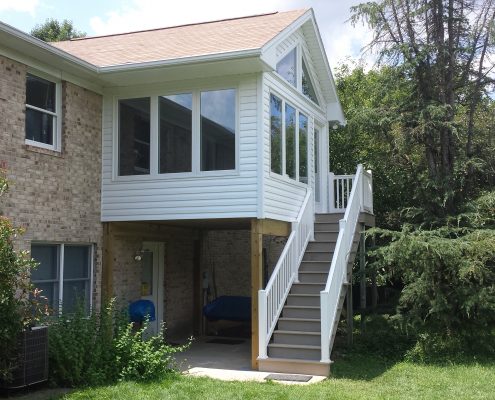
(262, 323)
(331, 192)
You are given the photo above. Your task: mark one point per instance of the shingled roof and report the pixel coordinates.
(224, 36)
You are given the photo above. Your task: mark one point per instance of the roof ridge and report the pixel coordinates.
(179, 26)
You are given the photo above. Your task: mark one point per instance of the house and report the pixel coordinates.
(183, 164)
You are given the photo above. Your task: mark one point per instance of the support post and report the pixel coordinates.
(256, 283)
(362, 270)
(197, 285)
(107, 263)
(350, 313)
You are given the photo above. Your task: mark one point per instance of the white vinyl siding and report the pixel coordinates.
(196, 195)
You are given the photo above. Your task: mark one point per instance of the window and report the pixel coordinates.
(64, 274)
(303, 148)
(287, 67)
(276, 134)
(218, 130)
(307, 85)
(290, 141)
(41, 112)
(175, 135)
(134, 136)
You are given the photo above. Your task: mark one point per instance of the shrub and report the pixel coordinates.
(104, 348)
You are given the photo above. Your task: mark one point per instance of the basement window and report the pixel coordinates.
(63, 275)
(42, 112)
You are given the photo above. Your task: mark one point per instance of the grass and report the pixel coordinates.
(356, 377)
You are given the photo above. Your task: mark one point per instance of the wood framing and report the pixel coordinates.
(273, 227)
(256, 284)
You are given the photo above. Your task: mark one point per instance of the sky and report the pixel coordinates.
(342, 41)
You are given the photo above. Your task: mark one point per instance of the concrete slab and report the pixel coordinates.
(227, 362)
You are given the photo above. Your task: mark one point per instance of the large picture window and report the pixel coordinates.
(290, 141)
(303, 148)
(63, 274)
(134, 136)
(41, 111)
(218, 130)
(175, 136)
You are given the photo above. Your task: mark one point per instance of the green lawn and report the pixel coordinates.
(356, 377)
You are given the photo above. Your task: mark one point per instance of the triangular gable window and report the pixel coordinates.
(287, 67)
(307, 85)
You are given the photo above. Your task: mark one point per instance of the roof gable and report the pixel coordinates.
(225, 36)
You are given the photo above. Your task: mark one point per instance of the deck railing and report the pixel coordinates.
(330, 296)
(340, 190)
(271, 300)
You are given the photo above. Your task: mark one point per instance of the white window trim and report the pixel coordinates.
(196, 172)
(57, 126)
(60, 269)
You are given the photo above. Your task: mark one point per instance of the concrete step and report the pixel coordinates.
(299, 324)
(296, 351)
(307, 288)
(329, 218)
(312, 255)
(312, 300)
(309, 312)
(314, 277)
(293, 366)
(297, 337)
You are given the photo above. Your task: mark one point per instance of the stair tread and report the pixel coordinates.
(314, 261)
(291, 319)
(305, 307)
(298, 332)
(313, 272)
(294, 346)
(307, 283)
(304, 294)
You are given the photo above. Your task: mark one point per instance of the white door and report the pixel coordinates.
(152, 281)
(317, 168)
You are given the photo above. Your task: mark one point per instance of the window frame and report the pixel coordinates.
(57, 115)
(196, 172)
(60, 269)
(311, 123)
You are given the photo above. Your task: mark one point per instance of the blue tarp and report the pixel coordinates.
(230, 308)
(140, 309)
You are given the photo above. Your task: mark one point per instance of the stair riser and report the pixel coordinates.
(326, 236)
(319, 256)
(321, 246)
(333, 227)
(313, 278)
(303, 288)
(321, 267)
(290, 367)
(314, 264)
(328, 218)
(299, 354)
(305, 326)
(287, 338)
(301, 313)
(313, 301)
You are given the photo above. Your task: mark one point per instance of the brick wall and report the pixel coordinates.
(54, 196)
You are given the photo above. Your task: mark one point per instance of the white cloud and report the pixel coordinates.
(341, 40)
(27, 6)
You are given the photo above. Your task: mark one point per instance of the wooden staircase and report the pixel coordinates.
(295, 346)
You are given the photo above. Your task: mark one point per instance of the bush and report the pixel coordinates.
(449, 280)
(104, 348)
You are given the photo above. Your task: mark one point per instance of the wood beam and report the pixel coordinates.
(256, 284)
(273, 227)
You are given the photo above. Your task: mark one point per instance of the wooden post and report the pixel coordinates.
(256, 283)
(107, 263)
(350, 313)
(362, 270)
(197, 286)
(374, 289)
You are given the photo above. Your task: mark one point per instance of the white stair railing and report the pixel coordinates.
(330, 296)
(340, 191)
(271, 300)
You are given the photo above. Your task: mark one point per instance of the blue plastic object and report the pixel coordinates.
(140, 309)
(229, 308)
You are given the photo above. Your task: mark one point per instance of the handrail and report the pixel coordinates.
(271, 300)
(330, 296)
